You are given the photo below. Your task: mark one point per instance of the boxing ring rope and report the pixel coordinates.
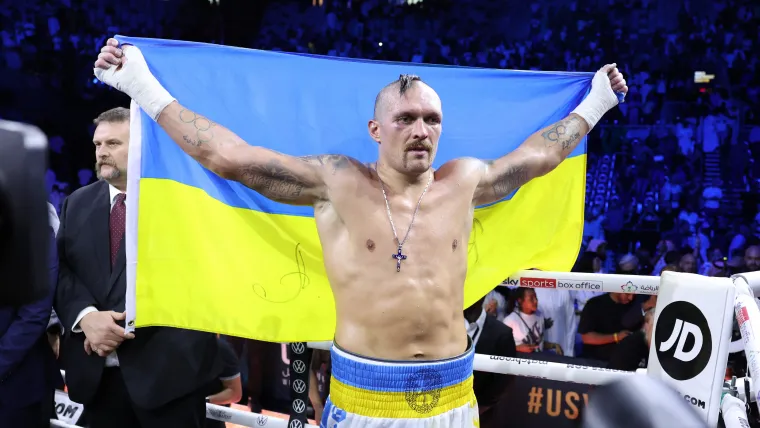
(61, 424)
(746, 311)
(244, 418)
(224, 414)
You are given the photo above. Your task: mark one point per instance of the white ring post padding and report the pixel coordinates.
(751, 279)
(607, 283)
(61, 424)
(748, 316)
(533, 368)
(249, 419)
(734, 412)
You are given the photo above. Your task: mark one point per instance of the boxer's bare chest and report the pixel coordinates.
(400, 232)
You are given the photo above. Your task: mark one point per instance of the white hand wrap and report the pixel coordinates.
(135, 79)
(599, 101)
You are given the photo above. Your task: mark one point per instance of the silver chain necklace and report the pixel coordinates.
(399, 256)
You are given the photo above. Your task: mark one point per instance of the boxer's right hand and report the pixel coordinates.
(125, 68)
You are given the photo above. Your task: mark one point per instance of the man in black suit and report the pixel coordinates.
(490, 337)
(28, 370)
(154, 378)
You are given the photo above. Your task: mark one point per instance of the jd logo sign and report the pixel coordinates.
(683, 340)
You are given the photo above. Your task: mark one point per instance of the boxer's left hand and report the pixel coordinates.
(602, 98)
(617, 81)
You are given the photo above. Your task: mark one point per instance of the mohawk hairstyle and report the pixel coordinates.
(404, 83)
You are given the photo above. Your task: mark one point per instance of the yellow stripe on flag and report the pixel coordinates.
(188, 240)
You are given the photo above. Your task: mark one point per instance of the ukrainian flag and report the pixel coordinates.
(204, 253)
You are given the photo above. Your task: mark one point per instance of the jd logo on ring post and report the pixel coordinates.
(682, 340)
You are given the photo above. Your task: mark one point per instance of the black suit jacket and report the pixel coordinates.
(496, 339)
(159, 364)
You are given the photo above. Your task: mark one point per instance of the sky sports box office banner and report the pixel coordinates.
(692, 326)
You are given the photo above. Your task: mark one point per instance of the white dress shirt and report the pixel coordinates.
(53, 218)
(112, 360)
(559, 305)
(475, 329)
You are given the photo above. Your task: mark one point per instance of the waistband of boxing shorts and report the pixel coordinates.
(400, 389)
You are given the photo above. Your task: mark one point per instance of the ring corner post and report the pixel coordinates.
(690, 338)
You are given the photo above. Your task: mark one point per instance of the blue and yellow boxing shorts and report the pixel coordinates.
(370, 393)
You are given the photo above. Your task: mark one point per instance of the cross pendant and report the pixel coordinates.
(398, 256)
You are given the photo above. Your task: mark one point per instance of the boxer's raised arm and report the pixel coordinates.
(283, 178)
(277, 176)
(538, 155)
(546, 149)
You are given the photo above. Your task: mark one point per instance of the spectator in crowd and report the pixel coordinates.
(559, 307)
(252, 353)
(528, 324)
(632, 352)
(593, 223)
(228, 388)
(496, 305)
(320, 363)
(752, 258)
(712, 195)
(28, 370)
(687, 263)
(588, 262)
(628, 265)
(490, 337)
(601, 324)
(154, 378)
(598, 247)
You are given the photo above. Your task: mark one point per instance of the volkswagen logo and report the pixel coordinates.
(299, 386)
(299, 406)
(298, 347)
(295, 423)
(299, 366)
(261, 420)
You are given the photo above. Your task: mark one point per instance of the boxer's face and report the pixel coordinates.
(111, 141)
(408, 129)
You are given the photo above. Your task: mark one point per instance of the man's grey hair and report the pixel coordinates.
(114, 115)
(501, 303)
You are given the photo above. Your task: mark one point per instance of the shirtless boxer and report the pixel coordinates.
(409, 344)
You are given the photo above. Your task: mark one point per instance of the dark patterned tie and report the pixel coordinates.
(116, 224)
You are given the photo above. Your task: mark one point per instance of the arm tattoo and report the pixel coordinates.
(273, 180)
(566, 133)
(336, 162)
(204, 128)
(514, 177)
